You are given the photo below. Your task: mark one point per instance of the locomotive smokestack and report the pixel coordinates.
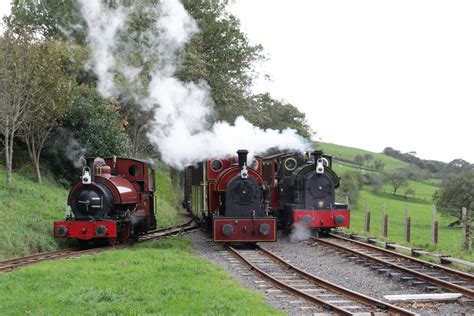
(90, 164)
(242, 157)
(317, 154)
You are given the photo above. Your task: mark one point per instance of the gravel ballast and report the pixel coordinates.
(324, 263)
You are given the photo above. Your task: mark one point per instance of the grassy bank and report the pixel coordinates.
(161, 277)
(27, 211)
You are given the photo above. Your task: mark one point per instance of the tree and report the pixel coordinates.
(368, 157)
(267, 112)
(96, 123)
(397, 179)
(359, 160)
(379, 164)
(51, 100)
(409, 191)
(455, 194)
(351, 184)
(20, 84)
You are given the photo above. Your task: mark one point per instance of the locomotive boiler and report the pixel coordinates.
(114, 200)
(302, 191)
(228, 197)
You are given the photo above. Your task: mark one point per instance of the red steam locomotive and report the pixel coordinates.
(114, 200)
(228, 196)
(302, 191)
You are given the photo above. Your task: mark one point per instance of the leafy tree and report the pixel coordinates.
(96, 123)
(454, 168)
(51, 100)
(374, 181)
(351, 184)
(379, 164)
(409, 191)
(20, 84)
(267, 112)
(397, 179)
(359, 160)
(455, 194)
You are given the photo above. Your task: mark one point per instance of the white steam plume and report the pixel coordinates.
(103, 24)
(180, 129)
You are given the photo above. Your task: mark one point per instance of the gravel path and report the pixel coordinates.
(322, 262)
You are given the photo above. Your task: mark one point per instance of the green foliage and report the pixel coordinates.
(267, 112)
(351, 184)
(49, 18)
(96, 123)
(169, 197)
(359, 159)
(455, 194)
(161, 277)
(397, 179)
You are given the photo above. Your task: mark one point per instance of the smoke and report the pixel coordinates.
(66, 145)
(180, 128)
(300, 232)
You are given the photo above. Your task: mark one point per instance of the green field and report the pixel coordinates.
(160, 277)
(419, 206)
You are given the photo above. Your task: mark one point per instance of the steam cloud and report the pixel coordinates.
(300, 232)
(180, 128)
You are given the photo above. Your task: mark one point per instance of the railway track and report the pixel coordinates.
(422, 273)
(312, 289)
(12, 264)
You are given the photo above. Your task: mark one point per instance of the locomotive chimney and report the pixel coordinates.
(90, 164)
(242, 157)
(317, 154)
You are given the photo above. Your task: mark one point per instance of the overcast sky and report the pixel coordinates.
(371, 74)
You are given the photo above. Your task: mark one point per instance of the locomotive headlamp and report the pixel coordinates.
(227, 229)
(339, 219)
(61, 231)
(100, 231)
(320, 166)
(86, 175)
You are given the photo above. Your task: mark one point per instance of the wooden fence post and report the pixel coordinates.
(383, 216)
(434, 225)
(367, 222)
(405, 207)
(407, 229)
(465, 230)
(385, 226)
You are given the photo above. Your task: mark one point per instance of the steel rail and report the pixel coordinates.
(361, 298)
(308, 297)
(454, 272)
(445, 284)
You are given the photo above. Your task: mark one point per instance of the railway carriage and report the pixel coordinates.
(302, 191)
(229, 197)
(114, 200)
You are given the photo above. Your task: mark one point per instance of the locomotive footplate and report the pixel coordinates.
(322, 218)
(228, 229)
(85, 230)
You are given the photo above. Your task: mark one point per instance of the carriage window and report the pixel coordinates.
(134, 170)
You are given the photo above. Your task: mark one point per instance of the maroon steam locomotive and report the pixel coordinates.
(114, 200)
(228, 196)
(302, 191)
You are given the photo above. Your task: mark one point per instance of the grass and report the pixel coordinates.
(27, 213)
(449, 239)
(161, 277)
(168, 198)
